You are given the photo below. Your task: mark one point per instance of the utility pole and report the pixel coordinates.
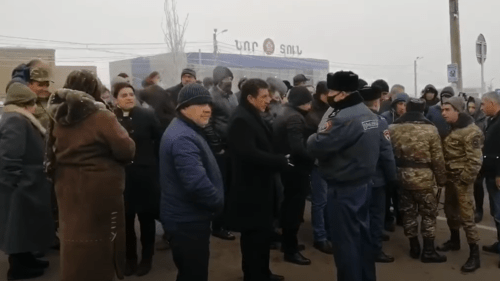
(456, 51)
(215, 42)
(415, 70)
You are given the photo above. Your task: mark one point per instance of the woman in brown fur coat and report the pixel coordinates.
(86, 154)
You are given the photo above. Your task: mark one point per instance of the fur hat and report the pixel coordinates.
(193, 94)
(343, 81)
(19, 94)
(415, 105)
(299, 96)
(221, 72)
(370, 93)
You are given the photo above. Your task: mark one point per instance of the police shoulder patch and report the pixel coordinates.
(387, 135)
(370, 124)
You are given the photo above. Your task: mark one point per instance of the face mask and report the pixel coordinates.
(226, 86)
(331, 101)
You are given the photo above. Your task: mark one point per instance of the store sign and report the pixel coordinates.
(269, 47)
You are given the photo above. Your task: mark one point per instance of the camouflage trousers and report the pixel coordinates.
(459, 209)
(419, 202)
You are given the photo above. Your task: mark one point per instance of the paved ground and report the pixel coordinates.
(225, 263)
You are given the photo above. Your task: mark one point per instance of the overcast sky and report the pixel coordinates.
(376, 39)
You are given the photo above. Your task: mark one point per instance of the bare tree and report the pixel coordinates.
(174, 30)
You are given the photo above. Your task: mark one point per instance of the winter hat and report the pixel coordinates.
(299, 96)
(321, 88)
(361, 84)
(370, 93)
(457, 102)
(193, 94)
(382, 85)
(221, 72)
(430, 89)
(19, 94)
(299, 79)
(403, 97)
(447, 91)
(188, 71)
(288, 85)
(277, 85)
(415, 105)
(343, 81)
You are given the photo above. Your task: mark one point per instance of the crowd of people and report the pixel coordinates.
(78, 166)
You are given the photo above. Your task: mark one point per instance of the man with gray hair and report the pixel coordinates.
(491, 163)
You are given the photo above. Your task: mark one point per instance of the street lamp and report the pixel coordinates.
(216, 49)
(418, 58)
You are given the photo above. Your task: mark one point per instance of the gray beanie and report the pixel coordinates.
(277, 85)
(457, 102)
(193, 94)
(19, 94)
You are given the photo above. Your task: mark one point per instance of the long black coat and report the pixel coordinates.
(491, 149)
(142, 190)
(159, 99)
(254, 192)
(26, 222)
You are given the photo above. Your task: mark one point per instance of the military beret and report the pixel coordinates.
(343, 81)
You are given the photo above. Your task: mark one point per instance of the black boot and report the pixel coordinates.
(429, 254)
(474, 262)
(130, 267)
(491, 249)
(297, 258)
(415, 248)
(19, 269)
(31, 261)
(453, 244)
(384, 258)
(324, 247)
(144, 267)
(478, 216)
(223, 234)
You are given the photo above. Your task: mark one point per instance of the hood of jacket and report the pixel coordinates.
(479, 114)
(402, 97)
(68, 107)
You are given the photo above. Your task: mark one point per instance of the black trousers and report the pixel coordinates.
(479, 193)
(392, 199)
(255, 254)
(190, 244)
(296, 185)
(147, 226)
(219, 222)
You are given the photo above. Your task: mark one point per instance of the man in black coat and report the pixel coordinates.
(290, 135)
(491, 162)
(254, 193)
(188, 76)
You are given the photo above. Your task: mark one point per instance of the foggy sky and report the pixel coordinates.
(376, 39)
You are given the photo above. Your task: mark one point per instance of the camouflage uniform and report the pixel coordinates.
(419, 157)
(463, 156)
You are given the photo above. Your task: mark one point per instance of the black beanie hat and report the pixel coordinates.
(299, 96)
(361, 84)
(415, 105)
(188, 71)
(343, 81)
(370, 93)
(382, 85)
(193, 94)
(221, 72)
(321, 88)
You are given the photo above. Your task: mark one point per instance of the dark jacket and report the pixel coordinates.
(255, 188)
(386, 172)
(223, 106)
(391, 115)
(191, 182)
(313, 118)
(173, 94)
(142, 190)
(26, 222)
(491, 149)
(290, 135)
(434, 115)
(429, 103)
(270, 115)
(348, 143)
(159, 100)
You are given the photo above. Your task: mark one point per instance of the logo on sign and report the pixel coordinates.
(269, 47)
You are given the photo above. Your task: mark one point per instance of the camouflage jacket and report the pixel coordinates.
(418, 152)
(463, 150)
(41, 112)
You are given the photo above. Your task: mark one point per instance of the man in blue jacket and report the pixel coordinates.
(192, 190)
(385, 177)
(347, 147)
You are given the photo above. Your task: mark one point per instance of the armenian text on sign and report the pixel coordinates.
(269, 47)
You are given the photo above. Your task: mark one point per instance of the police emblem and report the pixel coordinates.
(387, 135)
